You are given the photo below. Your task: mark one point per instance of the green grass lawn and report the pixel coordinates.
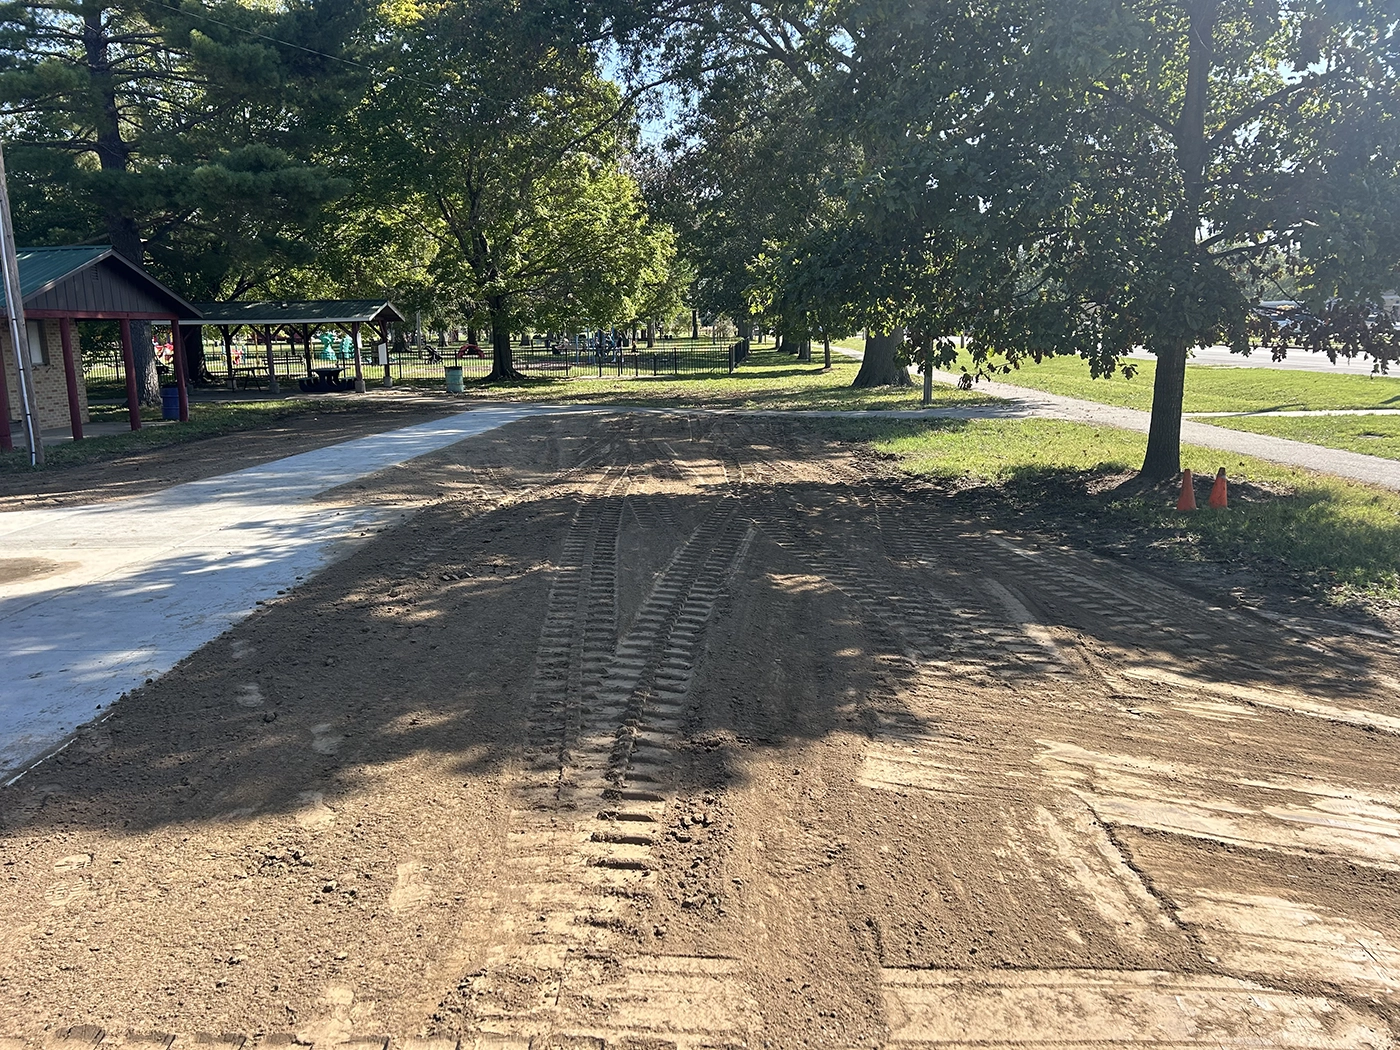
(1209, 388)
(1344, 533)
(1371, 435)
(767, 380)
(1212, 388)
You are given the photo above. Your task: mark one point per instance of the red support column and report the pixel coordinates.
(7, 438)
(177, 346)
(70, 376)
(133, 407)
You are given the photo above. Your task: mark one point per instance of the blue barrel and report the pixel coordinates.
(170, 402)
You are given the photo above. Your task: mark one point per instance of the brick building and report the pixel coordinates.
(50, 385)
(57, 287)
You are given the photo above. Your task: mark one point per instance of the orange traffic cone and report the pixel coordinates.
(1218, 498)
(1188, 492)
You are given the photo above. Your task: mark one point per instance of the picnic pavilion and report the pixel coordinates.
(298, 321)
(57, 287)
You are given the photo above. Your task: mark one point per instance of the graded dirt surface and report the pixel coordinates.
(650, 732)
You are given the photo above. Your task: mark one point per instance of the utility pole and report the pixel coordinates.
(19, 331)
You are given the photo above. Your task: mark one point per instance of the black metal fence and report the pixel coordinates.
(249, 364)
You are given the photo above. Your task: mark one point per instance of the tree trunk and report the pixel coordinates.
(826, 351)
(502, 354)
(1163, 459)
(880, 365)
(113, 154)
(928, 375)
(191, 343)
(804, 350)
(473, 336)
(651, 335)
(695, 324)
(744, 345)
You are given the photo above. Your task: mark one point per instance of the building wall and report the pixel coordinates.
(49, 382)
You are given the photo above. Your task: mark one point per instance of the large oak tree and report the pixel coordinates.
(492, 137)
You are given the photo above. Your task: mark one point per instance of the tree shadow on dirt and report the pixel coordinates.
(417, 661)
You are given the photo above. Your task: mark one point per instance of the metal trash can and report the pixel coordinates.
(454, 379)
(170, 402)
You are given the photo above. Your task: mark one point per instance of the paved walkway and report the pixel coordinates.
(96, 599)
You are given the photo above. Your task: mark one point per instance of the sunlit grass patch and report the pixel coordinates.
(768, 380)
(1344, 532)
(1369, 435)
(1209, 388)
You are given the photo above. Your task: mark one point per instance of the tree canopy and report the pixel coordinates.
(188, 137)
(1077, 177)
(1083, 177)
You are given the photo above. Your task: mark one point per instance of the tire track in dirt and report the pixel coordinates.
(946, 636)
(1134, 614)
(604, 718)
(448, 540)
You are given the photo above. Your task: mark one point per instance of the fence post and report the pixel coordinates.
(731, 358)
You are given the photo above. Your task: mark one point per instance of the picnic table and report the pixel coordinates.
(326, 378)
(254, 374)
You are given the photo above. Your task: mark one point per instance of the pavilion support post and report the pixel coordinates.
(306, 344)
(228, 355)
(384, 338)
(7, 437)
(359, 362)
(70, 377)
(133, 403)
(181, 369)
(272, 387)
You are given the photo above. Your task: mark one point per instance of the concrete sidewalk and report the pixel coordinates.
(96, 599)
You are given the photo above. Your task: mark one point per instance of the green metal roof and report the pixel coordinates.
(315, 311)
(41, 268)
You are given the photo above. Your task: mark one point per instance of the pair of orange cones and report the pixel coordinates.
(1218, 498)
